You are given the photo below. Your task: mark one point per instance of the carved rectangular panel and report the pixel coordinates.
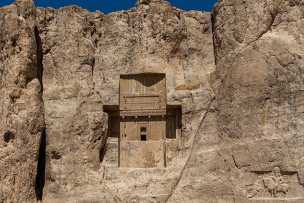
(142, 95)
(141, 101)
(131, 128)
(273, 185)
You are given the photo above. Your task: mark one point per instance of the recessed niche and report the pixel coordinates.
(8, 136)
(55, 155)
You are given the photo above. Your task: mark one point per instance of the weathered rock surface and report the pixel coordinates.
(255, 122)
(236, 72)
(84, 55)
(21, 106)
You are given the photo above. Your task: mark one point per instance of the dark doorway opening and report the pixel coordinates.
(173, 122)
(143, 138)
(40, 178)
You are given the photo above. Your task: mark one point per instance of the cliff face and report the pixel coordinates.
(254, 125)
(21, 106)
(236, 74)
(84, 55)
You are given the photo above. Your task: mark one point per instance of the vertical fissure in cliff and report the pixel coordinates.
(40, 178)
(213, 36)
(39, 57)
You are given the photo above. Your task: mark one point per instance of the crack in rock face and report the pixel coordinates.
(152, 104)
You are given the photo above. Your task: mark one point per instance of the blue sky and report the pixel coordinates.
(108, 6)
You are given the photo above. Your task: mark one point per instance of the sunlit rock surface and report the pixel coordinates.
(235, 75)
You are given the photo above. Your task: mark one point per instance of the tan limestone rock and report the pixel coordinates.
(255, 123)
(224, 124)
(145, 2)
(21, 105)
(83, 62)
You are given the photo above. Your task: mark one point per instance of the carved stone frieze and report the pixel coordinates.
(275, 184)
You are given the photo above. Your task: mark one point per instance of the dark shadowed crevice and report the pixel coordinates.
(102, 152)
(40, 178)
(39, 57)
(8, 136)
(14, 43)
(213, 37)
(234, 162)
(93, 66)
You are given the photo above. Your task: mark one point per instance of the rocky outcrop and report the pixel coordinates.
(145, 2)
(21, 105)
(84, 55)
(254, 124)
(236, 73)
(75, 123)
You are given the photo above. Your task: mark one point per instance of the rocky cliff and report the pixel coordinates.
(235, 72)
